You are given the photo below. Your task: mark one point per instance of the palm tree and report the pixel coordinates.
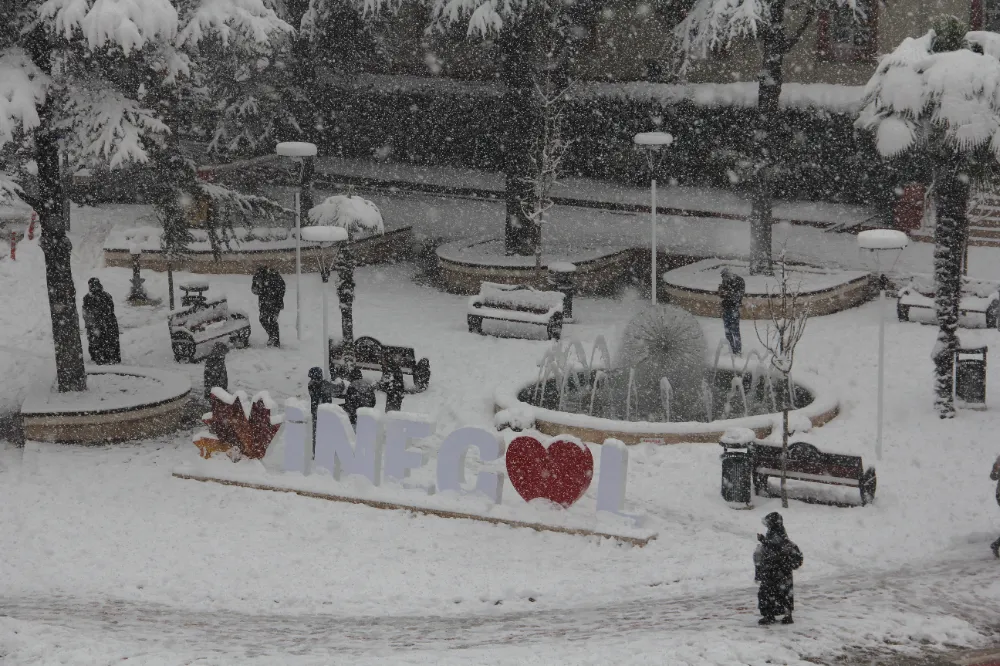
(937, 98)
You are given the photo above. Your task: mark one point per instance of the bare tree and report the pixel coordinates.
(547, 156)
(787, 322)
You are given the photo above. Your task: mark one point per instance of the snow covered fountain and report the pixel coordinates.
(661, 387)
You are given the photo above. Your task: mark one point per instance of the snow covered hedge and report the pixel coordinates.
(438, 121)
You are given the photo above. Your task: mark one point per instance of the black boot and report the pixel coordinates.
(995, 547)
(767, 619)
(787, 619)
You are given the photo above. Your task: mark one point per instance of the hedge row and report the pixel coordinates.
(824, 156)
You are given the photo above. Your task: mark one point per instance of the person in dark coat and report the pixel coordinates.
(215, 369)
(102, 326)
(269, 288)
(392, 385)
(774, 560)
(731, 292)
(995, 475)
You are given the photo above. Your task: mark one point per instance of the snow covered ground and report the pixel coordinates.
(106, 557)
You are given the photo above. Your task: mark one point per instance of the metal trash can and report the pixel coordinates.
(970, 376)
(737, 466)
(562, 277)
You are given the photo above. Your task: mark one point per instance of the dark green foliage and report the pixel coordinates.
(822, 155)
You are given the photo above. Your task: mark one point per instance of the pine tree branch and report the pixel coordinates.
(797, 35)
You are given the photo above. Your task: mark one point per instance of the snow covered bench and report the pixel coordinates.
(979, 297)
(194, 331)
(516, 303)
(807, 463)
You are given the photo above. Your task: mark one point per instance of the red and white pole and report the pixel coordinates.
(13, 245)
(31, 226)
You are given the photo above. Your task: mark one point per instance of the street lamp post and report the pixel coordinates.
(875, 243)
(327, 238)
(653, 143)
(306, 153)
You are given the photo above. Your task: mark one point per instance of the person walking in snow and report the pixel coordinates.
(101, 324)
(215, 369)
(774, 560)
(269, 288)
(995, 475)
(731, 291)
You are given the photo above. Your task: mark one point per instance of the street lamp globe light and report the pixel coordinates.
(329, 239)
(653, 143)
(878, 248)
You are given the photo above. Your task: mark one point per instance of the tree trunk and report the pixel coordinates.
(952, 223)
(769, 93)
(56, 246)
(518, 45)
(784, 454)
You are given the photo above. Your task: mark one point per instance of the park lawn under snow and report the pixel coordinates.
(193, 570)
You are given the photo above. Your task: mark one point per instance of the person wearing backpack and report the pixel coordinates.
(774, 560)
(269, 288)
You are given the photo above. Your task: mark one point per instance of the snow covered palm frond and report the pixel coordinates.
(129, 24)
(231, 21)
(352, 213)
(9, 190)
(247, 205)
(111, 126)
(956, 93)
(22, 88)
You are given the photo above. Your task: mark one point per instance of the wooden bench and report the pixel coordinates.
(370, 354)
(915, 295)
(807, 463)
(194, 331)
(516, 303)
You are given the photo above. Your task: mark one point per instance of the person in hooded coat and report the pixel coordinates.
(215, 369)
(731, 292)
(774, 560)
(102, 326)
(269, 288)
(995, 476)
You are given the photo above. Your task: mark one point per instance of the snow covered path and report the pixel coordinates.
(644, 628)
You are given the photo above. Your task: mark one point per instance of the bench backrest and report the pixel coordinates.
(200, 315)
(806, 459)
(517, 297)
(368, 352)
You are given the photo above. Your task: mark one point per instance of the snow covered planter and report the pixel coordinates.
(120, 403)
(823, 291)
(271, 246)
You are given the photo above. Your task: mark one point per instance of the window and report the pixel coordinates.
(985, 15)
(844, 36)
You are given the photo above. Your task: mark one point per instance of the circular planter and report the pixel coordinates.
(393, 245)
(121, 403)
(693, 287)
(467, 263)
(821, 410)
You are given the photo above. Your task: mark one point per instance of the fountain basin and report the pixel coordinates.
(823, 407)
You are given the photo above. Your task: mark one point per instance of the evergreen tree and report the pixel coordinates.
(100, 80)
(937, 98)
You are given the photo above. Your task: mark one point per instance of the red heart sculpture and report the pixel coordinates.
(561, 473)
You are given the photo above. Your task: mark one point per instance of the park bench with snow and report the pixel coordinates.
(194, 331)
(370, 354)
(807, 463)
(517, 303)
(977, 297)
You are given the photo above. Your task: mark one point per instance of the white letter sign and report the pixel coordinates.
(451, 461)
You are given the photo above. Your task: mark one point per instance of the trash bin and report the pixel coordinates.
(970, 376)
(737, 465)
(562, 277)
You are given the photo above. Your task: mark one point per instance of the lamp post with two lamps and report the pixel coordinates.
(306, 154)
(876, 243)
(653, 143)
(329, 239)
